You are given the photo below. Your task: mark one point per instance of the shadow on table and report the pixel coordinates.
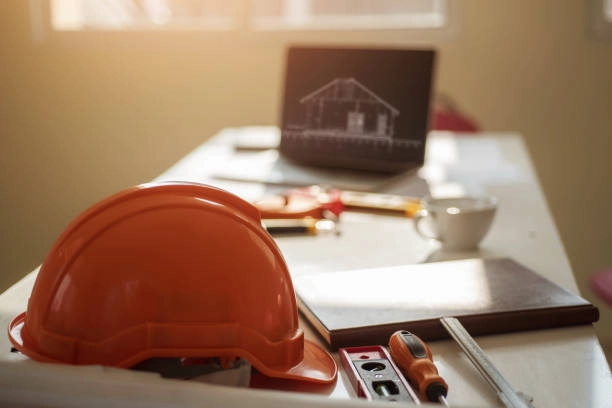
(441, 254)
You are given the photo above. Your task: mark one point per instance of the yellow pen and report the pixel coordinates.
(381, 202)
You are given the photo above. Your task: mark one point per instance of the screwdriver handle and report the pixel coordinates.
(415, 361)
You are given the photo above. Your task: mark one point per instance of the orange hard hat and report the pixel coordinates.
(168, 270)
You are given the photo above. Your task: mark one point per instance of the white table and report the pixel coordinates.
(558, 367)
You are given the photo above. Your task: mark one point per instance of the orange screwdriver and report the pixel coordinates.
(415, 361)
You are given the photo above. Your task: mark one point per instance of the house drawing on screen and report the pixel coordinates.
(347, 106)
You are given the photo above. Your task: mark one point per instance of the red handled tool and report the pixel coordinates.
(299, 204)
(320, 202)
(415, 361)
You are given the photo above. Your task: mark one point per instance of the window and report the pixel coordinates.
(144, 14)
(347, 14)
(257, 15)
(601, 19)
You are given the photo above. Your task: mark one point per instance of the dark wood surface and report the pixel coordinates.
(363, 307)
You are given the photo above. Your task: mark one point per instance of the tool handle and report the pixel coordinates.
(275, 226)
(415, 360)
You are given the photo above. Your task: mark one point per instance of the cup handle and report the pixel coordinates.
(418, 218)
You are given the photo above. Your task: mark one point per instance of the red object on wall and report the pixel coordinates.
(601, 283)
(454, 121)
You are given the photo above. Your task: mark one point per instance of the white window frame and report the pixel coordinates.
(43, 32)
(300, 17)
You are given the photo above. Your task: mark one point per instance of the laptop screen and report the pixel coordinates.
(354, 108)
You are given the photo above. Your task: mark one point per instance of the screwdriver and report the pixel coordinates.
(415, 361)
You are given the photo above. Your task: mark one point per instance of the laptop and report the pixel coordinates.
(356, 108)
(352, 118)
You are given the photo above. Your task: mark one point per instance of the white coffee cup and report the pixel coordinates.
(458, 223)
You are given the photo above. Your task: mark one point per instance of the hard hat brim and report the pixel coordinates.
(14, 334)
(317, 366)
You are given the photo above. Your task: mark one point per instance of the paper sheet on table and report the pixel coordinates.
(269, 167)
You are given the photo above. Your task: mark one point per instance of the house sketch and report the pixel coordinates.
(346, 107)
(356, 109)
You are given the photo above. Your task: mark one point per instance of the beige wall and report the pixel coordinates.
(84, 117)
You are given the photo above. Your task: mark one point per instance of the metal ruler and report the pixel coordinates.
(508, 396)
